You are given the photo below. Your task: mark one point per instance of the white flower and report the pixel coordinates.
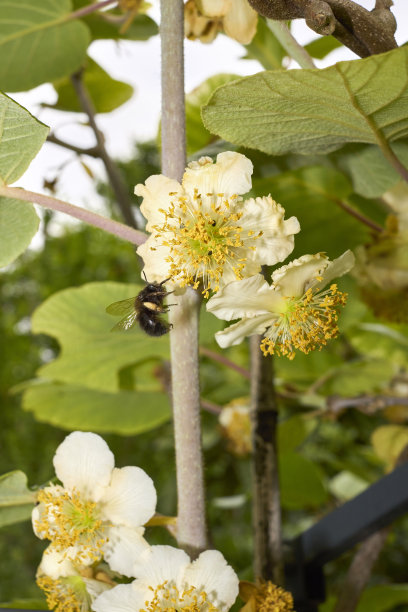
(203, 231)
(168, 580)
(293, 313)
(67, 588)
(99, 510)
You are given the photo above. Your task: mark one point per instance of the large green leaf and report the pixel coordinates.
(18, 224)
(197, 135)
(315, 111)
(21, 137)
(106, 93)
(38, 42)
(16, 499)
(301, 482)
(75, 407)
(91, 355)
(383, 597)
(322, 46)
(314, 195)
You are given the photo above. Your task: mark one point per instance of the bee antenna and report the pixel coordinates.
(144, 274)
(165, 281)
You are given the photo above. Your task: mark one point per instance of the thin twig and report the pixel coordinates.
(211, 407)
(268, 562)
(364, 403)
(87, 10)
(224, 361)
(191, 532)
(290, 44)
(359, 216)
(108, 225)
(91, 151)
(118, 185)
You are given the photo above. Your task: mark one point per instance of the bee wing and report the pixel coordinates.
(126, 323)
(121, 308)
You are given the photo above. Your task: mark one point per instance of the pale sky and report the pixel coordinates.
(138, 63)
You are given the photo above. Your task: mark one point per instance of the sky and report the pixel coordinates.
(138, 63)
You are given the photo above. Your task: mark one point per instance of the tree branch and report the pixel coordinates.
(365, 403)
(191, 525)
(268, 562)
(364, 32)
(118, 185)
(108, 225)
(91, 151)
(87, 10)
(290, 44)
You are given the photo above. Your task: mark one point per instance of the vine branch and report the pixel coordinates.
(108, 225)
(364, 32)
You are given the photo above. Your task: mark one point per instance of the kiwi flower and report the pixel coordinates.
(204, 18)
(99, 510)
(293, 313)
(202, 231)
(66, 588)
(168, 580)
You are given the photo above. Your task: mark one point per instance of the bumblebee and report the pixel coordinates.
(144, 309)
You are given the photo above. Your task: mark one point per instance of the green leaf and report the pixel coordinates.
(21, 137)
(368, 169)
(291, 433)
(301, 482)
(106, 93)
(197, 136)
(16, 499)
(26, 604)
(314, 195)
(383, 597)
(18, 224)
(265, 47)
(91, 355)
(364, 376)
(322, 46)
(315, 111)
(76, 407)
(38, 42)
(346, 485)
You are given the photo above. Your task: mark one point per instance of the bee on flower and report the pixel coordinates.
(294, 313)
(203, 234)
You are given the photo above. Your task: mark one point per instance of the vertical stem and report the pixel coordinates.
(290, 44)
(191, 528)
(268, 553)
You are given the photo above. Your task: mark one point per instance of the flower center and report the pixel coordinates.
(205, 239)
(65, 594)
(69, 520)
(271, 598)
(306, 323)
(168, 597)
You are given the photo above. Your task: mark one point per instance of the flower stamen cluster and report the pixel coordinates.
(272, 598)
(67, 519)
(62, 593)
(308, 323)
(168, 597)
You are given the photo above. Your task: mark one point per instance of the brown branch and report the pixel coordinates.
(268, 561)
(91, 151)
(92, 8)
(118, 185)
(364, 403)
(359, 216)
(364, 32)
(224, 361)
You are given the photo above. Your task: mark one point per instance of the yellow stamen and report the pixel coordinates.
(204, 240)
(271, 598)
(167, 597)
(69, 520)
(306, 324)
(65, 594)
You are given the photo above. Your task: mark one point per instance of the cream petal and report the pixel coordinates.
(244, 298)
(161, 563)
(211, 573)
(336, 268)
(124, 547)
(214, 8)
(154, 256)
(84, 461)
(156, 194)
(130, 499)
(231, 174)
(295, 278)
(277, 240)
(235, 333)
(96, 587)
(119, 599)
(240, 22)
(55, 564)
